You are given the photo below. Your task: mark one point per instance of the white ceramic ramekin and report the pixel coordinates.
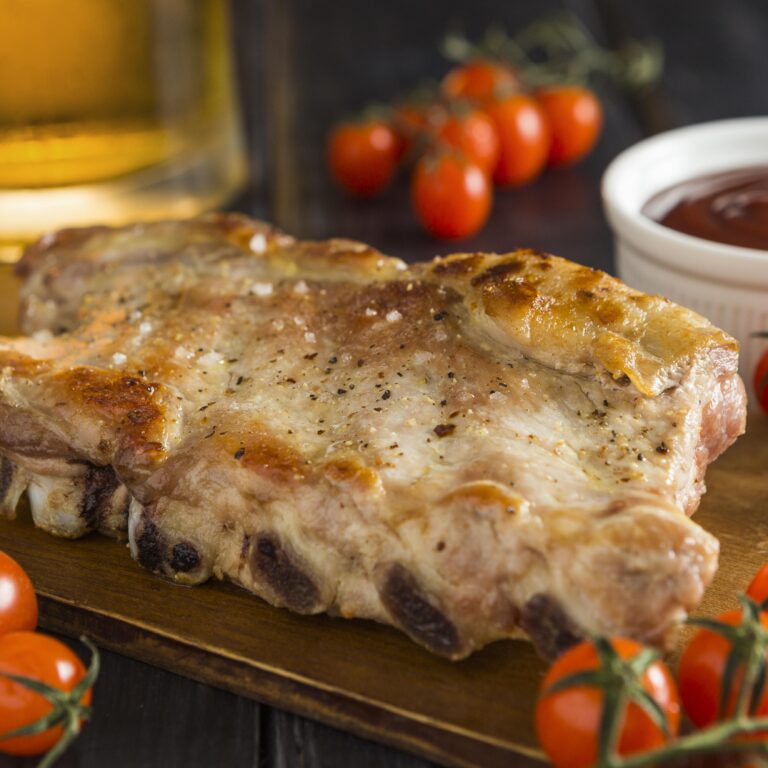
(725, 283)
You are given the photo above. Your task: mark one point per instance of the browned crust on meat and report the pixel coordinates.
(350, 472)
(263, 453)
(458, 265)
(576, 318)
(481, 494)
(127, 405)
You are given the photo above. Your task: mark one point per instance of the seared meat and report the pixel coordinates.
(472, 448)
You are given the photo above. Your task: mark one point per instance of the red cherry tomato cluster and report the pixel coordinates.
(709, 676)
(481, 129)
(39, 658)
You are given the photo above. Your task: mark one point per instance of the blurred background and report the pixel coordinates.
(139, 99)
(303, 65)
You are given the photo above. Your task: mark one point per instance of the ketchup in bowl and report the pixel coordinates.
(728, 207)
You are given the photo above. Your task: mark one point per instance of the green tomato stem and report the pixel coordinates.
(717, 738)
(559, 50)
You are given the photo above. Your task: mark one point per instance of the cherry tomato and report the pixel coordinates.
(701, 671)
(568, 721)
(760, 381)
(474, 134)
(758, 587)
(451, 195)
(363, 156)
(18, 602)
(524, 138)
(576, 117)
(44, 659)
(479, 80)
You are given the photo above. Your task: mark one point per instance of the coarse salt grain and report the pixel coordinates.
(145, 328)
(393, 316)
(496, 396)
(42, 335)
(301, 287)
(261, 289)
(210, 358)
(182, 352)
(119, 358)
(370, 312)
(310, 337)
(422, 356)
(258, 243)
(278, 325)
(441, 335)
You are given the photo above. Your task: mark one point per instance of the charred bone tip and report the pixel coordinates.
(416, 614)
(551, 630)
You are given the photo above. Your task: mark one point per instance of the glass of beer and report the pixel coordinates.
(112, 111)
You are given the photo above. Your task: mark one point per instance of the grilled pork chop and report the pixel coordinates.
(478, 447)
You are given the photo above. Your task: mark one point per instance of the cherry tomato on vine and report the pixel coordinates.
(44, 659)
(575, 116)
(451, 195)
(479, 80)
(473, 133)
(760, 381)
(701, 669)
(363, 156)
(568, 721)
(18, 602)
(758, 587)
(524, 138)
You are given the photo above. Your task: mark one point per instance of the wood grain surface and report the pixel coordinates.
(359, 676)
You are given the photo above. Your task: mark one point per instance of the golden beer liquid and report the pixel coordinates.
(113, 110)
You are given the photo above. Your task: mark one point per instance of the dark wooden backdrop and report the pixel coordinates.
(304, 63)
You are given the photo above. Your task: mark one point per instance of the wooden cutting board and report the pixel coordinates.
(354, 675)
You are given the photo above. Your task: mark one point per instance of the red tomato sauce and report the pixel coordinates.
(728, 207)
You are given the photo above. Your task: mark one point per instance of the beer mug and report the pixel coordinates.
(113, 111)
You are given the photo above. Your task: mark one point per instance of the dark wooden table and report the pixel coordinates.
(304, 63)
